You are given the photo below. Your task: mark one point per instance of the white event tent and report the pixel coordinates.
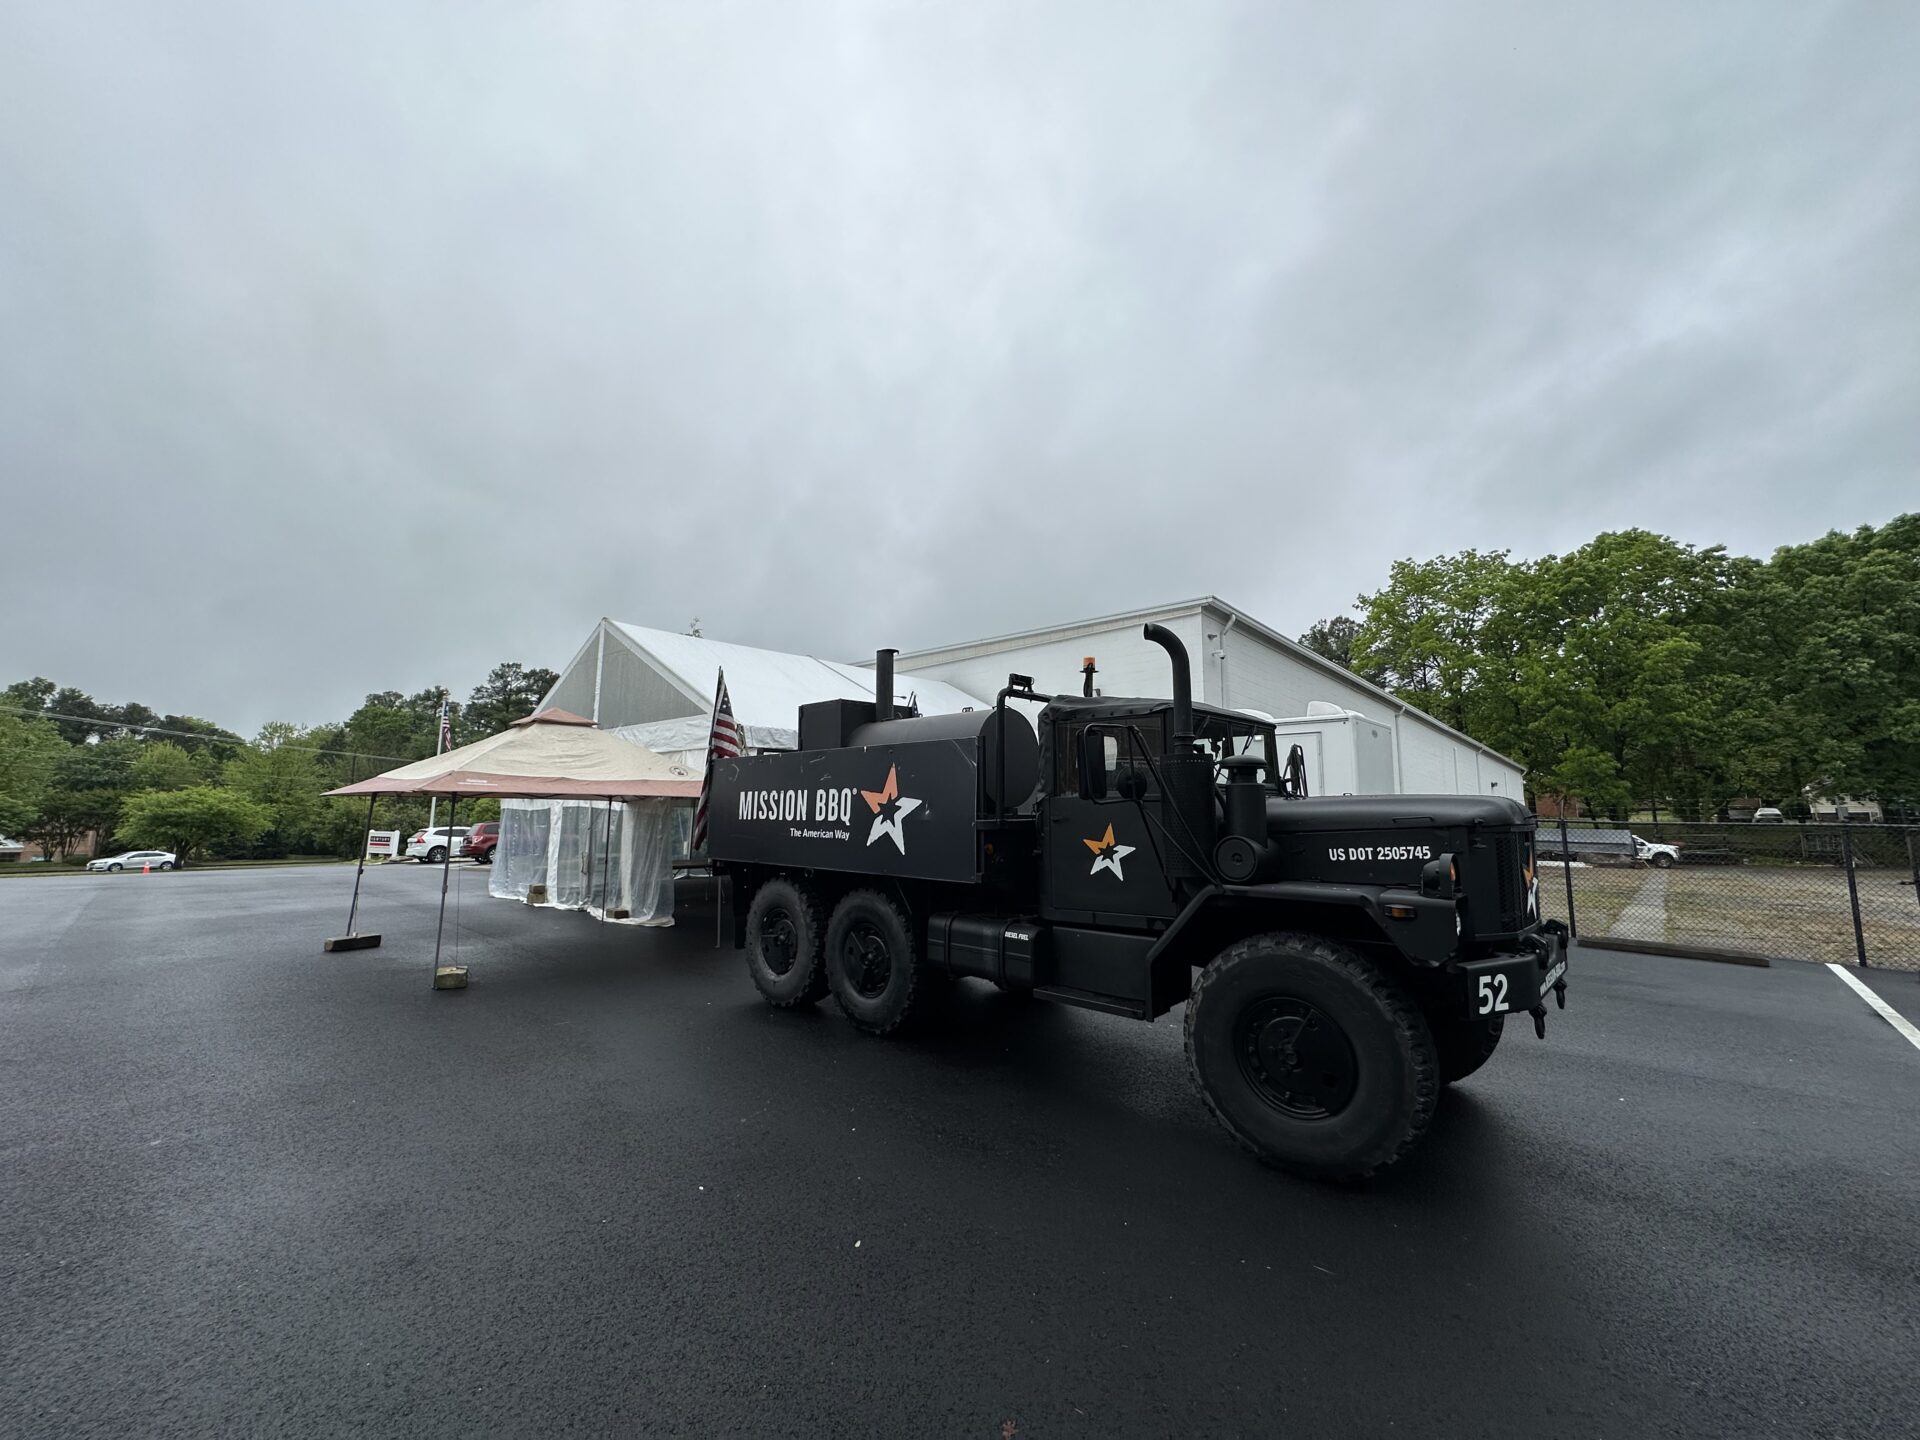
(655, 688)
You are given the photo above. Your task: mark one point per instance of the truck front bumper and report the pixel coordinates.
(1506, 983)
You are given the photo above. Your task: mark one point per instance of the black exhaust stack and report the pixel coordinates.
(1182, 681)
(883, 684)
(1187, 806)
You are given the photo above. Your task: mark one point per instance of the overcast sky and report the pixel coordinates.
(355, 346)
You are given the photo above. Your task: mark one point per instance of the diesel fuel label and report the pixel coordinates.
(1382, 852)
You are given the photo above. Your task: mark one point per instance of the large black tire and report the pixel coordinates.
(786, 935)
(878, 979)
(1661, 862)
(1465, 1045)
(1311, 1057)
(115, 869)
(166, 865)
(437, 855)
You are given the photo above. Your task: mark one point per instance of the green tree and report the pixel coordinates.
(1615, 664)
(192, 821)
(84, 795)
(1334, 638)
(81, 717)
(162, 765)
(279, 774)
(28, 694)
(30, 751)
(202, 739)
(510, 692)
(1826, 639)
(1422, 635)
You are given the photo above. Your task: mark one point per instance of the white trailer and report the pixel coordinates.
(1346, 753)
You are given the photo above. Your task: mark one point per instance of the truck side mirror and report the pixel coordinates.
(1093, 763)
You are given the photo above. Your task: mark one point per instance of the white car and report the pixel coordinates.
(431, 845)
(1656, 854)
(137, 860)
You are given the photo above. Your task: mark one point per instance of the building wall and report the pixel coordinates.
(1255, 674)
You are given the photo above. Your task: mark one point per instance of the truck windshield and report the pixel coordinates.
(1224, 738)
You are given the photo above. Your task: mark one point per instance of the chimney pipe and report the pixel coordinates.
(883, 684)
(1182, 680)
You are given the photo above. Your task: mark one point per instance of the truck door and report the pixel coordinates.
(1103, 856)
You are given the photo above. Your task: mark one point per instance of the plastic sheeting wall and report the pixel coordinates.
(592, 857)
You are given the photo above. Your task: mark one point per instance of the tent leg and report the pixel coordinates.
(714, 875)
(351, 940)
(606, 866)
(450, 977)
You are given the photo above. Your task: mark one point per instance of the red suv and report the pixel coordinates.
(480, 842)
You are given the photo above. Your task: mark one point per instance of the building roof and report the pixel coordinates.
(768, 687)
(1241, 618)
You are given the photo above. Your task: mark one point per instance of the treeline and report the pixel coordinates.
(1637, 672)
(72, 768)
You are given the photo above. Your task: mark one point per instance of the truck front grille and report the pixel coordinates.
(1513, 898)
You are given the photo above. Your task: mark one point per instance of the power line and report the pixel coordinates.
(222, 738)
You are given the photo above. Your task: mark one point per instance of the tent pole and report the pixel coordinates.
(606, 866)
(361, 869)
(586, 867)
(446, 873)
(353, 940)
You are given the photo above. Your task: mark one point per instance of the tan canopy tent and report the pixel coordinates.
(551, 756)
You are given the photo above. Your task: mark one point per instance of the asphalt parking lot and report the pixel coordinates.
(249, 1187)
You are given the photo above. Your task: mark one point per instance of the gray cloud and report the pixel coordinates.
(899, 324)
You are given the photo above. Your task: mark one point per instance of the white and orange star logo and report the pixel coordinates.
(889, 808)
(1107, 854)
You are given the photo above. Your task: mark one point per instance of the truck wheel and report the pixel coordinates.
(1662, 862)
(1465, 1045)
(878, 980)
(785, 927)
(1311, 1057)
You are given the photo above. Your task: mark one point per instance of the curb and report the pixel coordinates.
(1679, 952)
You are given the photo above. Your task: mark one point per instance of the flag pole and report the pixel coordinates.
(439, 746)
(706, 787)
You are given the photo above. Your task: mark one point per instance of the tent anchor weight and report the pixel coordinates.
(350, 940)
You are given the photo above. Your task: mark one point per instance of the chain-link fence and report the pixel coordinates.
(1845, 892)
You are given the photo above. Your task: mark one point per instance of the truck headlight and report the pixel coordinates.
(1440, 876)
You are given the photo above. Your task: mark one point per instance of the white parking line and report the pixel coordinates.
(1887, 1013)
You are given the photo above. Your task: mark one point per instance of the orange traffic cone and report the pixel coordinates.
(143, 868)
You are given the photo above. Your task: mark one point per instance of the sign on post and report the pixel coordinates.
(383, 844)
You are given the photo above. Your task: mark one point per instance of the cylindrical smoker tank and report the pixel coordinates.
(968, 728)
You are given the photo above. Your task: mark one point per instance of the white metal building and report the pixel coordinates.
(1350, 729)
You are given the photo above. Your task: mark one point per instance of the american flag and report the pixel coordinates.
(725, 741)
(446, 726)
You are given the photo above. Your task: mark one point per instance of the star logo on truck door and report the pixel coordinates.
(889, 808)
(1107, 854)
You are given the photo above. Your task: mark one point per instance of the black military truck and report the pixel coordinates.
(1340, 959)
